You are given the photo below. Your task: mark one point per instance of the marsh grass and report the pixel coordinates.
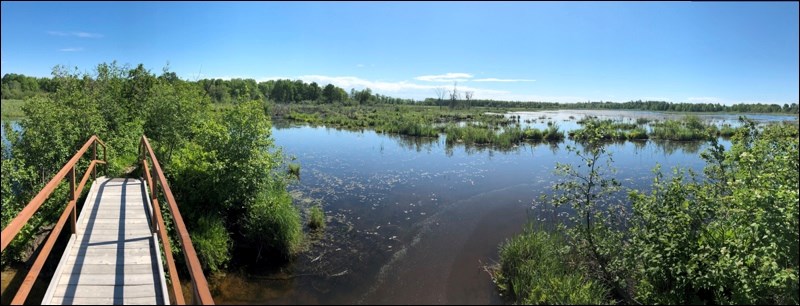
(316, 218)
(535, 268)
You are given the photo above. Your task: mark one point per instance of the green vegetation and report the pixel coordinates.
(729, 237)
(608, 130)
(316, 218)
(12, 109)
(16, 86)
(294, 170)
(534, 270)
(224, 169)
(689, 128)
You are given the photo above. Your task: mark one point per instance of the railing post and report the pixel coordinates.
(105, 159)
(74, 197)
(94, 157)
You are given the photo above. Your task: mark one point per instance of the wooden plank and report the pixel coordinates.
(139, 230)
(106, 221)
(96, 238)
(97, 291)
(113, 226)
(112, 259)
(107, 279)
(135, 244)
(56, 275)
(91, 268)
(90, 251)
(106, 301)
(108, 233)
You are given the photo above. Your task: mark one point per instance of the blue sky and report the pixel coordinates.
(564, 52)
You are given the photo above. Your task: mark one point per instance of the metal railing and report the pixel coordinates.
(201, 294)
(70, 212)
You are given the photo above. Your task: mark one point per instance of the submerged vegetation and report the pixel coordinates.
(316, 218)
(729, 236)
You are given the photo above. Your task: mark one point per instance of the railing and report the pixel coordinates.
(201, 294)
(70, 213)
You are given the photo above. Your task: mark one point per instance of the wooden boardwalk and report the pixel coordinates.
(114, 258)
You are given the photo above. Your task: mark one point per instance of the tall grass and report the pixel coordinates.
(534, 270)
(12, 109)
(688, 128)
(316, 218)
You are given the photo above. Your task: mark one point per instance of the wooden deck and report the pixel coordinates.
(114, 258)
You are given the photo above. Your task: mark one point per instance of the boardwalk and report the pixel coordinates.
(114, 257)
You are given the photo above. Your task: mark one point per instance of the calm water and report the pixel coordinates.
(413, 221)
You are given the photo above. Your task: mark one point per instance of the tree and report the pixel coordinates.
(454, 95)
(440, 93)
(329, 93)
(468, 96)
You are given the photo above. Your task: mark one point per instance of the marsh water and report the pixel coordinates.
(414, 221)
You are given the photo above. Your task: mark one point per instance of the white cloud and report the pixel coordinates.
(70, 49)
(75, 34)
(447, 77)
(360, 65)
(502, 80)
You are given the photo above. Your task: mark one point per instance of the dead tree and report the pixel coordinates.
(468, 97)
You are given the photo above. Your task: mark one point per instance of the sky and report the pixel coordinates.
(733, 52)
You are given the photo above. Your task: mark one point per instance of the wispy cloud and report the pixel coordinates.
(447, 77)
(75, 34)
(502, 80)
(71, 49)
(360, 65)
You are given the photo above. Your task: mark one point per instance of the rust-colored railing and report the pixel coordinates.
(70, 213)
(201, 294)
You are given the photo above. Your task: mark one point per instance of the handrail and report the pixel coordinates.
(70, 212)
(200, 286)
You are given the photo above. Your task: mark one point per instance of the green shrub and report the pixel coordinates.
(533, 270)
(273, 223)
(212, 242)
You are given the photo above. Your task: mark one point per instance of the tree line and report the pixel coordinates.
(19, 86)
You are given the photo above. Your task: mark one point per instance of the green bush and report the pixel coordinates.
(533, 270)
(272, 223)
(212, 242)
(730, 240)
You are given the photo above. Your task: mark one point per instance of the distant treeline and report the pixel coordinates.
(18, 86)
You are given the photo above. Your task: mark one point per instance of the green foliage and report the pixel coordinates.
(12, 109)
(316, 218)
(273, 223)
(730, 240)
(534, 270)
(223, 167)
(730, 237)
(212, 242)
(688, 128)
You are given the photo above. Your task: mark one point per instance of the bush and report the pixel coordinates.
(273, 223)
(212, 242)
(533, 270)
